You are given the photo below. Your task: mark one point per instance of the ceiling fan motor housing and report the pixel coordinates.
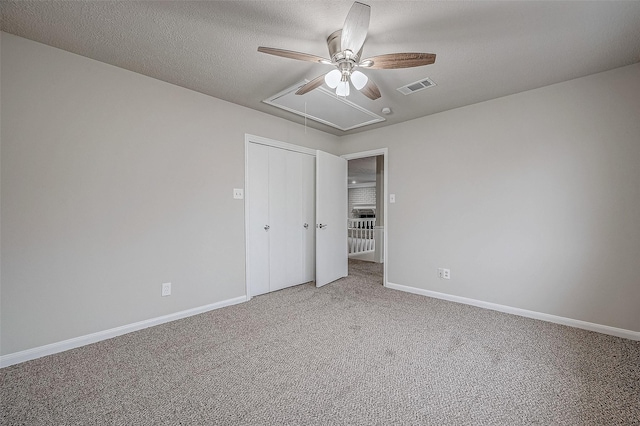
(336, 53)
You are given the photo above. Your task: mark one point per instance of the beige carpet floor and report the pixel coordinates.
(350, 353)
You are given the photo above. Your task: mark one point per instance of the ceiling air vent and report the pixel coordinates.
(416, 86)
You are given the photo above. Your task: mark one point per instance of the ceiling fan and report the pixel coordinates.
(345, 51)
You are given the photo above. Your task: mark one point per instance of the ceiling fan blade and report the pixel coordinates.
(293, 55)
(370, 90)
(313, 84)
(355, 28)
(398, 60)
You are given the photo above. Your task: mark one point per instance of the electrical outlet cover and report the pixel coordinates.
(445, 274)
(166, 289)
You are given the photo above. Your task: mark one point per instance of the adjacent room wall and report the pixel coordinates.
(361, 195)
(113, 183)
(532, 200)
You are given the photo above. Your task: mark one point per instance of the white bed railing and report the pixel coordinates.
(360, 235)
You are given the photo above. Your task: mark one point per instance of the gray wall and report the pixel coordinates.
(532, 200)
(113, 183)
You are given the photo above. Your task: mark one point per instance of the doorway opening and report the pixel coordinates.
(366, 212)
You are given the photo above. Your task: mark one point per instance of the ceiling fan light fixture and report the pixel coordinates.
(345, 50)
(333, 78)
(359, 80)
(343, 89)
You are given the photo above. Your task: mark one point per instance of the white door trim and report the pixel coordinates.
(277, 144)
(374, 153)
(248, 138)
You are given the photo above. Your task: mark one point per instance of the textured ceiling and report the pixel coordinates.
(485, 49)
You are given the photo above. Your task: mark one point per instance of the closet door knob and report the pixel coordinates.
(266, 227)
(321, 226)
(306, 226)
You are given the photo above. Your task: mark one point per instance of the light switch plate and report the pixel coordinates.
(238, 193)
(392, 198)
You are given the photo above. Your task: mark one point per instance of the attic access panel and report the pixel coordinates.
(325, 107)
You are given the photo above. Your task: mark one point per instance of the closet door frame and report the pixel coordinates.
(248, 139)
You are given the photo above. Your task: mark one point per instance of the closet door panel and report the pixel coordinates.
(278, 234)
(331, 203)
(295, 234)
(308, 195)
(258, 208)
(287, 212)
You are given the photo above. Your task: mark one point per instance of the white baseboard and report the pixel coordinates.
(65, 345)
(604, 329)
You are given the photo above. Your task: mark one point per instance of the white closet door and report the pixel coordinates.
(287, 242)
(258, 213)
(278, 204)
(280, 201)
(301, 175)
(295, 236)
(308, 188)
(331, 205)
